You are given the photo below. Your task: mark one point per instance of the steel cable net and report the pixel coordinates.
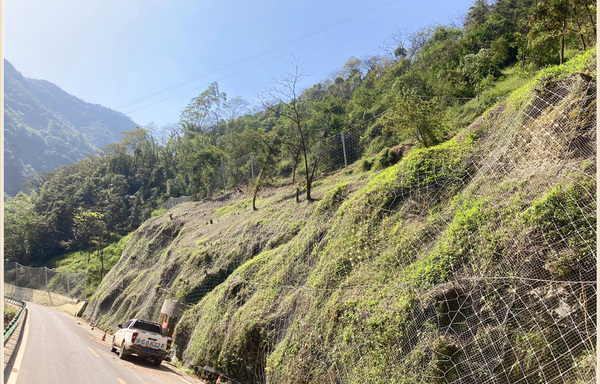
(339, 150)
(71, 284)
(520, 309)
(333, 153)
(469, 262)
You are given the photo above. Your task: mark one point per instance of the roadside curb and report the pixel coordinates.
(12, 346)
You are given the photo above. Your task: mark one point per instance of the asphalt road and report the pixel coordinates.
(57, 348)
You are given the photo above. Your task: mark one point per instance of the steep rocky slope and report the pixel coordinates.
(471, 261)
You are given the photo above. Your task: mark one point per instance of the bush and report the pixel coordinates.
(158, 212)
(284, 168)
(366, 164)
(387, 157)
(9, 315)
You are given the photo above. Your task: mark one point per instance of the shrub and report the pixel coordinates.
(9, 315)
(387, 157)
(366, 164)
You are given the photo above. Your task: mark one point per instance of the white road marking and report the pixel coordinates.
(179, 377)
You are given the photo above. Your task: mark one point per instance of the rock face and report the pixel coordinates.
(45, 127)
(471, 261)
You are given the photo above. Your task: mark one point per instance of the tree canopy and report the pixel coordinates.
(409, 95)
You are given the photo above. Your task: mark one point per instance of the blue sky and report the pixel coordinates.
(149, 58)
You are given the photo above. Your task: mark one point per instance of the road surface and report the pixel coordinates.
(57, 348)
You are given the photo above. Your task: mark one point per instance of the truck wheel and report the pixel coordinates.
(157, 361)
(123, 352)
(113, 348)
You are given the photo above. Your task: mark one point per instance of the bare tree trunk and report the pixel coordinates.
(308, 181)
(288, 98)
(591, 17)
(580, 28)
(101, 254)
(256, 189)
(562, 42)
(583, 42)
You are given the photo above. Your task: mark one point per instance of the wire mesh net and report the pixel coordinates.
(470, 262)
(71, 284)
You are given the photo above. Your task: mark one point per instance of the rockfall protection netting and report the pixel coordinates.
(475, 262)
(333, 153)
(71, 284)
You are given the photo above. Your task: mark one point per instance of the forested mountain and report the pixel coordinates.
(45, 127)
(431, 85)
(427, 215)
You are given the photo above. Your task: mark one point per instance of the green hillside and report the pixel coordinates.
(425, 215)
(431, 84)
(45, 128)
(470, 261)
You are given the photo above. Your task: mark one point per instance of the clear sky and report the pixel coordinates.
(149, 58)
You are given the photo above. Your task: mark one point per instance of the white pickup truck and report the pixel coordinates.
(143, 338)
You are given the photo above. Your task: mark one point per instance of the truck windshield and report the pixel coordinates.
(149, 327)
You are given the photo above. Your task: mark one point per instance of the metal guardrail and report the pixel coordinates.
(13, 324)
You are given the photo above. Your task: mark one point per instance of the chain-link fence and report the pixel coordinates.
(333, 153)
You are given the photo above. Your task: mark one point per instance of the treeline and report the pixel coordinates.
(417, 91)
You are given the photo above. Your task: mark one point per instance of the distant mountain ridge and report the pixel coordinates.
(46, 127)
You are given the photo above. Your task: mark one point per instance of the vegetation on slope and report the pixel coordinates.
(429, 85)
(425, 271)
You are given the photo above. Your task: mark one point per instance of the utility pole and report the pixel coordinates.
(68, 287)
(223, 172)
(344, 149)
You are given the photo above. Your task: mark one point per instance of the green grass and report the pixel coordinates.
(89, 263)
(362, 285)
(158, 212)
(463, 114)
(9, 315)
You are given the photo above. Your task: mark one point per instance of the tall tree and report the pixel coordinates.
(550, 26)
(410, 112)
(284, 98)
(91, 232)
(204, 112)
(23, 234)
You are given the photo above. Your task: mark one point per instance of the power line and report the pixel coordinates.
(267, 51)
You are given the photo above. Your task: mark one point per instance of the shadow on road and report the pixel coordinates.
(147, 363)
